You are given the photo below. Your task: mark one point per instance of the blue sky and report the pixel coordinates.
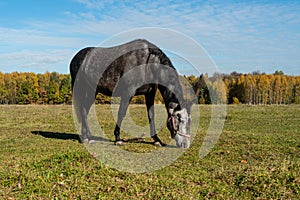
(241, 36)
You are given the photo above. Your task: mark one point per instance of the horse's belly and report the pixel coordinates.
(112, 89)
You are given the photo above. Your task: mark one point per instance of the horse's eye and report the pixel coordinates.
(179, 116)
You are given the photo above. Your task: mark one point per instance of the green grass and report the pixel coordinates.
(256, 157)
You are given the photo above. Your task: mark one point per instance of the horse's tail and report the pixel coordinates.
(77, 107)
(76, 100)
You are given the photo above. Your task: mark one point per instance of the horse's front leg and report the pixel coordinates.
(121, 114)
(150, 108)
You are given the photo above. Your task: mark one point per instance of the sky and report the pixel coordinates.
(242, 36)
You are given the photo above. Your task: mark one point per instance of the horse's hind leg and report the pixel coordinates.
(85, 102)
(121, 113)
(85, 131)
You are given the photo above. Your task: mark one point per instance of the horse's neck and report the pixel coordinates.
(170, 96)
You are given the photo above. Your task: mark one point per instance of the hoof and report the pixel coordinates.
(87, 141)
(119, 143)
(91, 141)
(158, 144)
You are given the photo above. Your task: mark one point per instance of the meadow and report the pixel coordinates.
(256, 157)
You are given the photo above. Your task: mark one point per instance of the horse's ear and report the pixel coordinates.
(172, 107)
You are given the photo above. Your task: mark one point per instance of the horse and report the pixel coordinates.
(134, 68)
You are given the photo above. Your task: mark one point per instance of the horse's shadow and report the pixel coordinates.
(76, 137)
(65, 136)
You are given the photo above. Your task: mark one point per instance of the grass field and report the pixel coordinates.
(256, 157)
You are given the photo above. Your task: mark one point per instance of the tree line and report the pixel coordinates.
(234, 88)
(263, 88)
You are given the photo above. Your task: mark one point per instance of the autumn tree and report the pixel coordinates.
(252, 88)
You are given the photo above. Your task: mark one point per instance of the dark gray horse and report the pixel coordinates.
(135, 68)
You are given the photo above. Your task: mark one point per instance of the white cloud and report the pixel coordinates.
(35, 37)
(42, 61)
(92, 4)
(36, 50)
(235, 34)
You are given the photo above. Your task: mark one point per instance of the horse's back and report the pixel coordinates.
(106, 66)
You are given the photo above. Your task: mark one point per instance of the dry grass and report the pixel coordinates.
(257, 156)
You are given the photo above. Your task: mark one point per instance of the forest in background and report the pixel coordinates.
(233, 88)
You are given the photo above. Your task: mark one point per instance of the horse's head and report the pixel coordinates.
(179, 123)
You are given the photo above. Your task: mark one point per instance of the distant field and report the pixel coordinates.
(256, 157)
